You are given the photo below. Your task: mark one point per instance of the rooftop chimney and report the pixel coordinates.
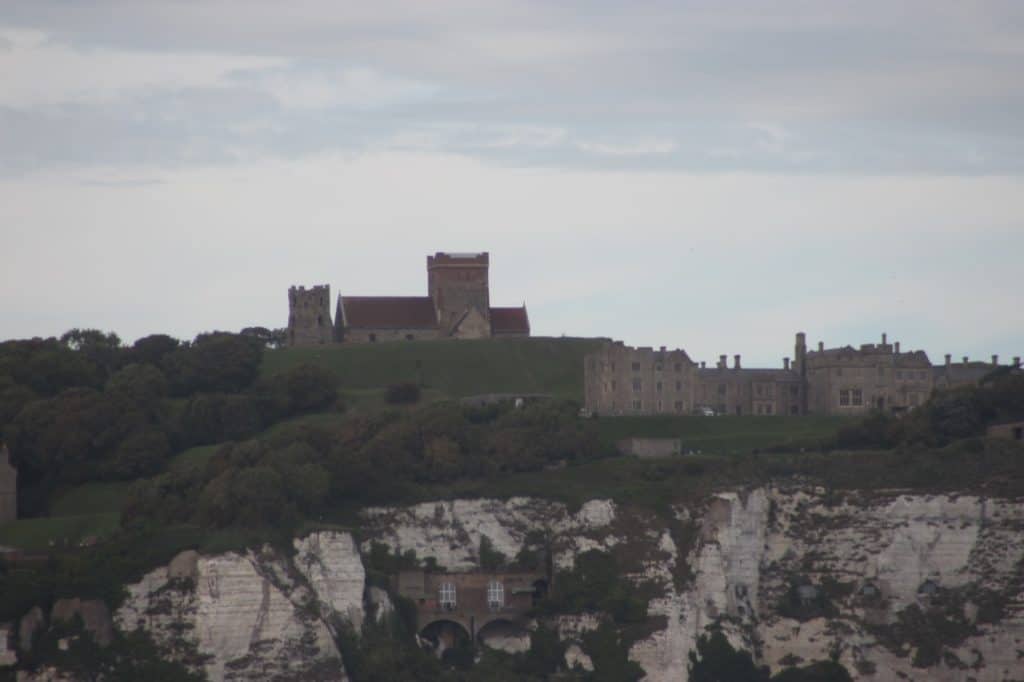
(1016, 361)
(949, 359)
(966, 361)
(721, 362)
(995, 360)
(785, 363)
(703, 365)
(897, 347)
(663, 349)
(821, 346)
(883, 338)
(736, 361)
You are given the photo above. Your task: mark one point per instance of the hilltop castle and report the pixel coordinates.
(457, 306)
(620, 380)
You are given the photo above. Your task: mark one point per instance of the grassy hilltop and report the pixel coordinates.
(450, 369)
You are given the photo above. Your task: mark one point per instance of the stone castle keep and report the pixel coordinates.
(457, 306)
(620, 380)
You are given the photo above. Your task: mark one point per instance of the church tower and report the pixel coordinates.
(309, 316)
(458, 285)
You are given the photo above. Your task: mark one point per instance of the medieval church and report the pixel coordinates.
(457, 306)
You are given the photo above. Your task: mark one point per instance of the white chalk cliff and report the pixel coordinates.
(877, 560)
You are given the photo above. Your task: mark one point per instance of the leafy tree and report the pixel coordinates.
(610, 656)
(152, 349)
(143, 453)
(217, 361)
(490, 558)
(404, 393)
(305, 388)
(144, 384)
(717, 661)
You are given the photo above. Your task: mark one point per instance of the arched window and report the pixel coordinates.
(495, 595)
(447, 596)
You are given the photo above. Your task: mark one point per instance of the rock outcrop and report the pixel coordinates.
(258, 615)
(893, 586)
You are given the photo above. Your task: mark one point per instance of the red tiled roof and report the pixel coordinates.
(510, 321)
(389, 312)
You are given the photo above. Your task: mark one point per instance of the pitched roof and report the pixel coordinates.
(510, 321)
(753, 373)
(388, 312)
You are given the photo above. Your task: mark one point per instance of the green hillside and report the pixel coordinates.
(452, 368)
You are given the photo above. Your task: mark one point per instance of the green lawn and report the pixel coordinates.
(91, 498)
(726, 434)
(452, 368)
(58, 532)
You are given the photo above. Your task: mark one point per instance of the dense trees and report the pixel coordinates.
(84, 407)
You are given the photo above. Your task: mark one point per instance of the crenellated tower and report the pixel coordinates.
(309, 316)
(458, 286)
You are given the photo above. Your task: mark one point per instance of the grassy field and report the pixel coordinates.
(57, 531)
(726, 434)
(451, 368)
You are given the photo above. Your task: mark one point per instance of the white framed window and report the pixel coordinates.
(495, 595)
(446, 596)
(637, 385)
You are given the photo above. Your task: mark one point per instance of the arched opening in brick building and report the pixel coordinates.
(504, 635)
(445, 636)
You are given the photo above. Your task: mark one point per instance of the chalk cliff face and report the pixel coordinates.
(260, 615)
(894, 586)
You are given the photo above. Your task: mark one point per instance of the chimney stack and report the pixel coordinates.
(785, 363)
(1016, 361)
(995, 360)
(703, 364)
(736, 361)
(897, 347)
(821, 346)
(966, 361)
(721, 362)
(663, 349)
(884, 336)
(949, 359)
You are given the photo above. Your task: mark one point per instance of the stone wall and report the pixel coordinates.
(8, 487)
(650, 447)
(309, 316)
(353, 335)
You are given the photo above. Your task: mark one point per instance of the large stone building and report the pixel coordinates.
(457, 306)
(8, 487)
(620, 380)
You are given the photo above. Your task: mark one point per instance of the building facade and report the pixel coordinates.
(457, 306)
(620, 380)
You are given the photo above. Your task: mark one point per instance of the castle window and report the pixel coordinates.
(760, 390)
(679, 367)
(899, 374)
(844, 398)
(657, 387)
(637, 385)
(660, 407)
(636, 366)
(446, 596)
(614, 384)
(858, 397)
(495, 595)
(658, 367)
(721, 389)
(769, 409)
(638, 405)
(793, 391)
(793, 409)
(839, 371)
(679, 385)
(679, 406)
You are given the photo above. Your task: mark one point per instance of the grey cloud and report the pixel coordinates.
(921, 87)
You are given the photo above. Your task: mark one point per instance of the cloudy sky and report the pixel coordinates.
(709, 175)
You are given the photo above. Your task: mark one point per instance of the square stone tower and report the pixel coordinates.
(459, 286)
(309, 316)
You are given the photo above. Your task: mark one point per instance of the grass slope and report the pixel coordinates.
(451, 368)
(727, 434)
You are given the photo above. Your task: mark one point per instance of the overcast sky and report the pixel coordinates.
(707, 175)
